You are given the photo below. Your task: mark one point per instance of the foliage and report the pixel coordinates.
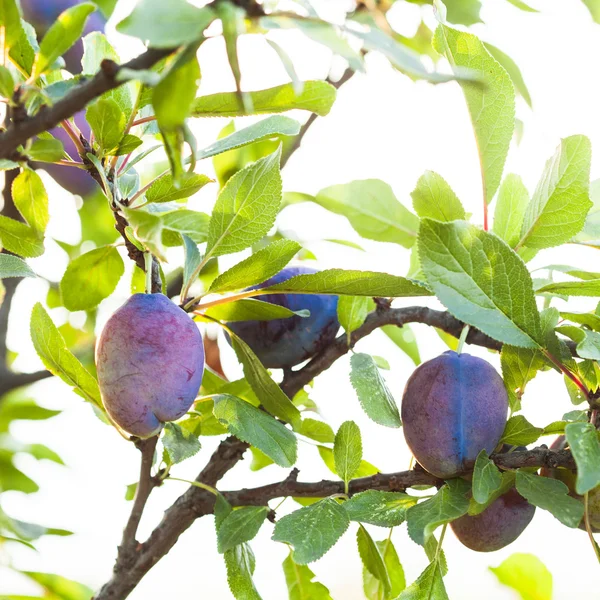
(481, 276)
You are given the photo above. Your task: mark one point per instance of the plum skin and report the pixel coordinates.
(284, 343)
(150, 362)
(453, 406)
(499, 525)
(569, 478)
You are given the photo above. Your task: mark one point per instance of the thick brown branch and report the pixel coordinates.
(47, 118)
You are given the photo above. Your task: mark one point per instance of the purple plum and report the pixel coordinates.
(150, 361)
(43, 13)
(76, 181)
(453, 407)
(499, 525)
(284, 343)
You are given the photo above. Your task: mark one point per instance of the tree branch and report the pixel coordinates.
(346, 76)
(106, 79)
(145, 486)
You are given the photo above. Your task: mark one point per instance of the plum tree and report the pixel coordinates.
(43, 13)
(453, 406)
(499, 525)
(569, 478)
(284, 343)
(150, 361)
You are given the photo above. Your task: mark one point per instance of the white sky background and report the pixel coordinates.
(382, 126)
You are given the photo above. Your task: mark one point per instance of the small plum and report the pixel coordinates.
(284, 343)
(150, 361)
(569, 478)
(499, 525)
(453, 406)
(43, 13)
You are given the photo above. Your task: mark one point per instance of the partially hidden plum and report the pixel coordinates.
(499, 525)
(569, 478)
(453, 406)
(43, 13)
(150, 361)
(76, 181)
(284, 343)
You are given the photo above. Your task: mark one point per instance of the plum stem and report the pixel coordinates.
(148, 263)
(588, 526)
(463, 337)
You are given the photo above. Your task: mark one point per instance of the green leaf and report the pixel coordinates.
(405, 339)
(165, 190)
(108, 123)
(91, 277)
(256, 268)
(366, 469)
(63, 33)
(19, 238)
(566, 288)
(246, 207)
(312, 530)
(300, 582)
(23, 45)
(179, 443)
(373, 394)
(240, 526)
(491, 106)
(31, 199)
(594, 8)
(127, 145)
(192, 260)
(519, 432)
(58, 359)
(585, 448)
(551, 495)
(435, 199)
(12, 266)
(384, 509)
(316, 97)
(268, 392)
(428, 586)
(527, 575)
(276, 125)
(316, 430)
(7, 83)
(352, 312)
(10, 21)
(480, 280)
(55, 586)
(252, 425)
(448, 504)
(249, 309)
(519, 366)
(372, 209)
(511, 204)
(166, 24)
(350, 283)
(46, 150)
(372, 559)
(347, 450)
(507, 482)
(373, 587)
(240, 565)
(486, 478)
(561, 201)
(96, 48)
(511, 67)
